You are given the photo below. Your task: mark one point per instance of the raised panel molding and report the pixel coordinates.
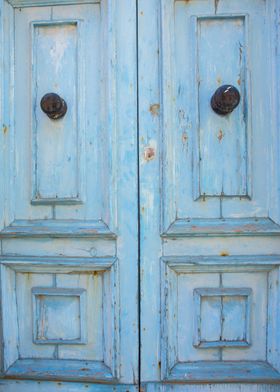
(56, 370)
(211, 164)
(58, 146)
(241, 263)
(68, 171)
(226, 372)
(59, 316)
(228, 227)
(69, 309)
(67, 265)
(201, 297)
(221, 139)
(213, 303)
(57, 229)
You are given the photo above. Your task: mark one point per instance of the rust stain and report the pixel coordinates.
(149, 153)
(154, 109)
(219, 80)
(239, 81)
(248, 227)
(224, 253)
(184, 137)
(5, 129)
(220, 135)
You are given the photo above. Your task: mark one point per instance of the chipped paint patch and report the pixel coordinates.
(149, 153)
(5, 129)
(220, 135)
(224, 253)
(154, 109)
(184, 137)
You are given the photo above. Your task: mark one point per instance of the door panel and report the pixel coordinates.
(209, 204)
(69, 242)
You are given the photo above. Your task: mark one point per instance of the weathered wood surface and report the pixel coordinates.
(209, 204)
(68, 195)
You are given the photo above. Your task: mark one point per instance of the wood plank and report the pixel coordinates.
(42, 369)
(222, 227)
(222, 263)
(236, 387)
(43, 3)
(64, 265)
(48, 386)
(206, 372)
(57, 229)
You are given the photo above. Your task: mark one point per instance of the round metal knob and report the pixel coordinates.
(53, 105)
(225, 99)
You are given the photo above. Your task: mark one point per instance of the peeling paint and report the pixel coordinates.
(224, 253)
(149, 153)
(154, 109)
(184, 137)
(5, 129)
(220, 135)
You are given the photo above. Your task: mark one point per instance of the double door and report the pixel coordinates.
(139, 196)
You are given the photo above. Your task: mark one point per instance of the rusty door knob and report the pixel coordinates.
(225, 99)
(53, 105)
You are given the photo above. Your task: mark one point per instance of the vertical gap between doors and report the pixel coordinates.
(138, 196)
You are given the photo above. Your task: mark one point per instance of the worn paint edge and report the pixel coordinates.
(43, 3)
(57, 264)
(230, 227)
(57, 229)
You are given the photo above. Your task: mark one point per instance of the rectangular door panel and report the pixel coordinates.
(213, 170)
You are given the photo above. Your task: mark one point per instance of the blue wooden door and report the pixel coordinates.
(209, 195)
(68, 196)
(206, 189)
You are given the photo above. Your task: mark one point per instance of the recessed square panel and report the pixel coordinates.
(222, 317)
(59, 316)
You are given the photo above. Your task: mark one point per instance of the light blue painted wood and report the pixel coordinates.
(222, 156)
(223, 307)
(180, 147)
(42, 3)
(150, 387)
(57, 144)
(69, 211)
(86, 238)
(52, 369)
(225, 372)
(45, 386)
(222, 227)
(52, 264)
(59, 316)
(149, 137)
(57, 228)
(208, 242)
